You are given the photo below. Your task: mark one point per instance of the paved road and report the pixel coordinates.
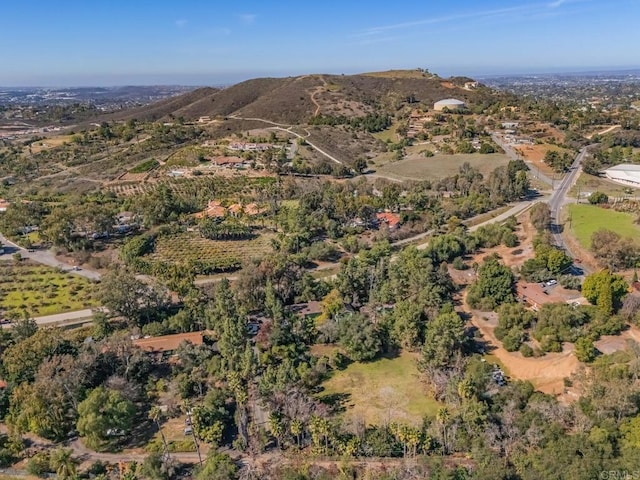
(44, 257)
(559, 200)
(68, 318)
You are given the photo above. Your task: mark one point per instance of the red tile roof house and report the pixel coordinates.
(392, 220)
(3, 205)
(214, 210)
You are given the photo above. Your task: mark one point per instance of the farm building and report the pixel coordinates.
(449, 104)
(625, 173)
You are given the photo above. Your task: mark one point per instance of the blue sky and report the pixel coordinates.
(115, 42)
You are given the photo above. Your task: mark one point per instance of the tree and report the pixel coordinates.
(218, 466)
(585, 350)
(605, 290)
(493, 286)
(444, 339)
(359, 336)
(123, 294)
(540, 216)
(63, 464)
(597, 198)
(103, 415)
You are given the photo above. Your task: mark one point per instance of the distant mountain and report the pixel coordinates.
(293, 100)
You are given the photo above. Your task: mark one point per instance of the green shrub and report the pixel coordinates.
(526, 350)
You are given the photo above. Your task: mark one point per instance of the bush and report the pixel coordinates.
(458, 264)
(39, 465)
(597, 198)
(526, 350)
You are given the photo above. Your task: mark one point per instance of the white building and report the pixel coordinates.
(625, 173)
(450, 104)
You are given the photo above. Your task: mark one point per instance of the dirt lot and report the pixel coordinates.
(546, 373)
(535, 154)
(612, 343)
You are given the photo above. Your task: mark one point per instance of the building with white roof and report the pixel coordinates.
(450, 104)
(625, 173)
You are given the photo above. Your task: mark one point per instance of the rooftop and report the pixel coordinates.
(168, 343)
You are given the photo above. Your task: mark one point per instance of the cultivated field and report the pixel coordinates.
(382, 391)
(40, 290)
(587, 219)
(211, 255)
(419, 167)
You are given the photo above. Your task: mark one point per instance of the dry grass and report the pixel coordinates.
(535, 154)
(389, 389)
(418, 167)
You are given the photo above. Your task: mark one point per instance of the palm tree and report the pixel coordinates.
(63, 463)
(276, 426)
(443, 417)
(296, 429)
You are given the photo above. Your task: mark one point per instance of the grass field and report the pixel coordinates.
(589, 183)
(220, 255)
(383, 391)
(418, 167)
(40, 290)
(587, 219)
(49, 143)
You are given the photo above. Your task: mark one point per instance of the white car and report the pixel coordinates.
(550, 283)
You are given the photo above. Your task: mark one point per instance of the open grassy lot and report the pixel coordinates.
(418, 167)
(383, 391)
(42, 290)
(218, 254)
(587, 219)
(49, 143)
(589, 183)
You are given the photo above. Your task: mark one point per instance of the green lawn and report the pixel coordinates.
(419, 167)
(587, 219)
(41, 290)
(382, 391)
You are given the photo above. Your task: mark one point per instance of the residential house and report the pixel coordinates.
(214, 210)
(310, 309)
(167, 344)
(391, 220)
(3, 205)
(228, 162)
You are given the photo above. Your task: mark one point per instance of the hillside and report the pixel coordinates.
(293, 100)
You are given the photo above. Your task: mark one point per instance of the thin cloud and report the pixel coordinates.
(436, 20)
(248, 18)
(475, 15)
(181, 23)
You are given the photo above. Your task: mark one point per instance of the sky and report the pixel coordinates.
(217, 42)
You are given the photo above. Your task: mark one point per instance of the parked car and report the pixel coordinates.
(188, 430)
(551, 282)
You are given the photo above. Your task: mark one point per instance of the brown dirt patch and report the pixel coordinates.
(546, 373)
(447, 85)
(609, 344)
(535, 154)
(513, 256)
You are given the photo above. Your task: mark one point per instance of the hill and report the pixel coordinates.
(293, 100)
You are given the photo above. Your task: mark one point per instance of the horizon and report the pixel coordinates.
(622, 70)
(197, 43)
